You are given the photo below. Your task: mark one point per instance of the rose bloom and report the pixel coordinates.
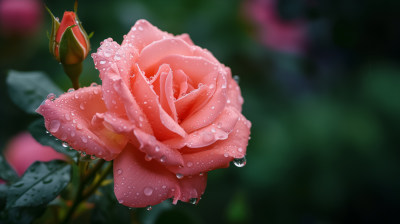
(20, 17)
(23, 150)
(275, 33)
(167, 113)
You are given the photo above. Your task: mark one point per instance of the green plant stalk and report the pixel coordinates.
(82, 195)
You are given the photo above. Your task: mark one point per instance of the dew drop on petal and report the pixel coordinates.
(65, 145)
(157, 148)
(240, 162)
(51, 96)
(179, 176)
(82, 106)
(193, 201)
(149, 208)
(119, 171)
(189, 164)
(148, 158)
(70, 90)
(102, 62)
(162, 159)
(121, 201)
(54, 126)
(201, 174)
(240, 149)
(148, 191)
(67, 117)
(226, 155)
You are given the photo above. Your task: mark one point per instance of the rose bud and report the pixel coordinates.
(69, 43)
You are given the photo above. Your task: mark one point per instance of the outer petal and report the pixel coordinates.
(219, 154)
(143, 33)
(235, 98)
(191, 187)
(139, 183)
(69, 119)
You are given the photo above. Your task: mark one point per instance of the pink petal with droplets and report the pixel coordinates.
(219, 154)
(210, 111)
(163, 125)
(69, 119)
(140, 183)
(157, 150)
(234, 97)
(167, 95)
(185, 37)
(143, 34)
(218, 130)
(158, 50)
(191, 187)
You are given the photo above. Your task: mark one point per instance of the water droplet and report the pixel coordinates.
(240, 149)
(226, 155)
(163, 158)
(70, 90)
(51, 96)
(119, 171)
(79, 126)
(93, 84)
(236, 78)
(189, 164)
(149, 208)
(47, 180)
(201, 174)
(65, 145)
(67, 117)
(72, 133)
(82, 106)
(213, 130)
(76, 96)
(148, 191)
(84, 139)
(157, 148)
(193, 201)
(240, 162)
(121, 201)
(102, 62)
(148, 158)
(213, 107)
(179, 176)
(54, 126)
(140, 28)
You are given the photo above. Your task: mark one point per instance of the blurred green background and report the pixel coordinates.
(324, 141)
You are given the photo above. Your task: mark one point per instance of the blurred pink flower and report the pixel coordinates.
(23, 150)
(275, 33)
(20, 17)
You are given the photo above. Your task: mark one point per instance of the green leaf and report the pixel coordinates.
(7, 173)
(28, 89)
(41, 183)
(38, 131)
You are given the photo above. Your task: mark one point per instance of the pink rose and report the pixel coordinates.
(167, 113)
(275, 33)
(20, 17)
(23, 150)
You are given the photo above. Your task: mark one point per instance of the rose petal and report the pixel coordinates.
(185, 37)
(157, 150)
(192, 101)
(131, 107)
(191, 187)
(210, 111)
(163, 125)
(69, 119)
(199, 69)
(143, 34)
(208, 135)
(167, 95)
(219, 154)
(160, 49)
(140, 183)
(234, 97)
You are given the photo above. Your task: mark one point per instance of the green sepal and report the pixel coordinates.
(70, 50)
(54, 27)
